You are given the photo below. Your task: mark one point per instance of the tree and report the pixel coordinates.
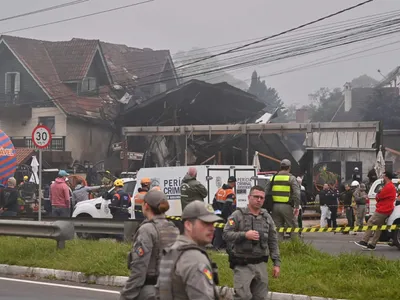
(324, 104)
(384, 106)
(183, 58)
(364, 81)
(266, 94)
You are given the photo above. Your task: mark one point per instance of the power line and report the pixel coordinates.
(79, 17)
(44, 9)
(282, 33)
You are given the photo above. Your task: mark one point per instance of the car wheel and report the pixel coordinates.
(85, 235)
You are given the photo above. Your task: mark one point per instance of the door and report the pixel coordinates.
(245, 179)
(215, 179)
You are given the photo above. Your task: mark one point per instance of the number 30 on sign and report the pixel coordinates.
(41, 136)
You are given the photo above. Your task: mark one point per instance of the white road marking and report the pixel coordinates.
(60, 285)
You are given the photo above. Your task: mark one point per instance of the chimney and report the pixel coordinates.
(347, 96)
(301, 115)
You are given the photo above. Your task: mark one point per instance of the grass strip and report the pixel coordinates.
(304, 270)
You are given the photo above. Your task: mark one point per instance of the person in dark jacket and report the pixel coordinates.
(332, 202)
(356, 175)
(9, 199)
(191, 188)
(346, 197)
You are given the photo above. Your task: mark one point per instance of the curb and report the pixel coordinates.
(119, 281)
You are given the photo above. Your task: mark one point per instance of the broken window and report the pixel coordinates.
(49, 122)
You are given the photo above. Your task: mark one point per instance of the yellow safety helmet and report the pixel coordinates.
(119, 183)
(145, 181)
(26, 177)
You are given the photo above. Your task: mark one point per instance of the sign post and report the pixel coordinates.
(41, 138)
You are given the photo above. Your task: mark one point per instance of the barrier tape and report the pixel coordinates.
(311, 229)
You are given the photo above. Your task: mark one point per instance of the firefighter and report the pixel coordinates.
(139, 197)
(121, 201)
(225, 202)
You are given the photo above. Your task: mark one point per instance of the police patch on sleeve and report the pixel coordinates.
(231, 222)
(206, 273)
(139, 250)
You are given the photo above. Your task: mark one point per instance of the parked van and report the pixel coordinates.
(169, 179)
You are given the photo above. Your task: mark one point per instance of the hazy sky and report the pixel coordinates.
(183, 24)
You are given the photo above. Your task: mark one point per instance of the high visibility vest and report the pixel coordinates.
(222, 195)
(139, 197)
(281, 189)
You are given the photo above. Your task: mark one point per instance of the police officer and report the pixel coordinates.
(139, 197)
(186, 271)
(225, 202)
(121, 201)
(251, 232)
(285, 191)
(153, 235)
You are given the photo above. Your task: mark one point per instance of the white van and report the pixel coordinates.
(169, 179)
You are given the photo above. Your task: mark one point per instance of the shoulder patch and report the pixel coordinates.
(231, 222)
(207, 273)
(139, 251)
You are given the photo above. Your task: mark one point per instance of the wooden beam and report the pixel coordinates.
(279, 128)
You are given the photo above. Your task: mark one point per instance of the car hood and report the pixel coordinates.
(90, 201)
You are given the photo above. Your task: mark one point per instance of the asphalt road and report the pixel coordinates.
(21, 289)
(339, 243)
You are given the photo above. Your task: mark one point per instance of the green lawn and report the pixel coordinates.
(304, 269)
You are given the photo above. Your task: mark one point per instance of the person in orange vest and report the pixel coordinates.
(225, 203)
(139, 197)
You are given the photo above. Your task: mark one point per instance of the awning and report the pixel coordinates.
(24, 154)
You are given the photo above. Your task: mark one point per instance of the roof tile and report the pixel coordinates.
(23, 154)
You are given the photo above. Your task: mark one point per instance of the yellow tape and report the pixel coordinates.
(312, 229)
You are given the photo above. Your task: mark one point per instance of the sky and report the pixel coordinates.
(183, 24)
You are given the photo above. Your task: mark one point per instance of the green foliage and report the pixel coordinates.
(324, 104)
(384, 106)
(304, 269)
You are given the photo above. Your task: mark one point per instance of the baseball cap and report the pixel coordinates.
(199, 210)
(154, 198)
(285, 163)
(232, 179)
(62, 173)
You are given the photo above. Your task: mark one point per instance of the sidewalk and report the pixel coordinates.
(119, 281)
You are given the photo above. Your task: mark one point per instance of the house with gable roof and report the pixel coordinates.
(73, 87)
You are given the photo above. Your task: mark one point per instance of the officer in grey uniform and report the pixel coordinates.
(252, 237)
(285, 191)
(186, 272)
(153, 235)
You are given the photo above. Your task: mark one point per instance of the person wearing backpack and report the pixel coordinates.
(153, 235)
(186, 271)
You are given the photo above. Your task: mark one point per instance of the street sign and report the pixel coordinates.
(41, 136)
(132, 155)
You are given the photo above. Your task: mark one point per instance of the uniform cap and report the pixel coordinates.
(154, 198)
(285, 163)
(199, 210)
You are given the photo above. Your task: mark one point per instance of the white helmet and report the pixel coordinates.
(355, 183)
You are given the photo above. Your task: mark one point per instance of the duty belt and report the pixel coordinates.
(244, 261)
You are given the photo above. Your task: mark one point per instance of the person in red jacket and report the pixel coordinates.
(384, 207)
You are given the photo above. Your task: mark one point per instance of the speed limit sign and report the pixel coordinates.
(41, 136)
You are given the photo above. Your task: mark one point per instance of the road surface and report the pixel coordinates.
(338, 243)
(21, 289)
